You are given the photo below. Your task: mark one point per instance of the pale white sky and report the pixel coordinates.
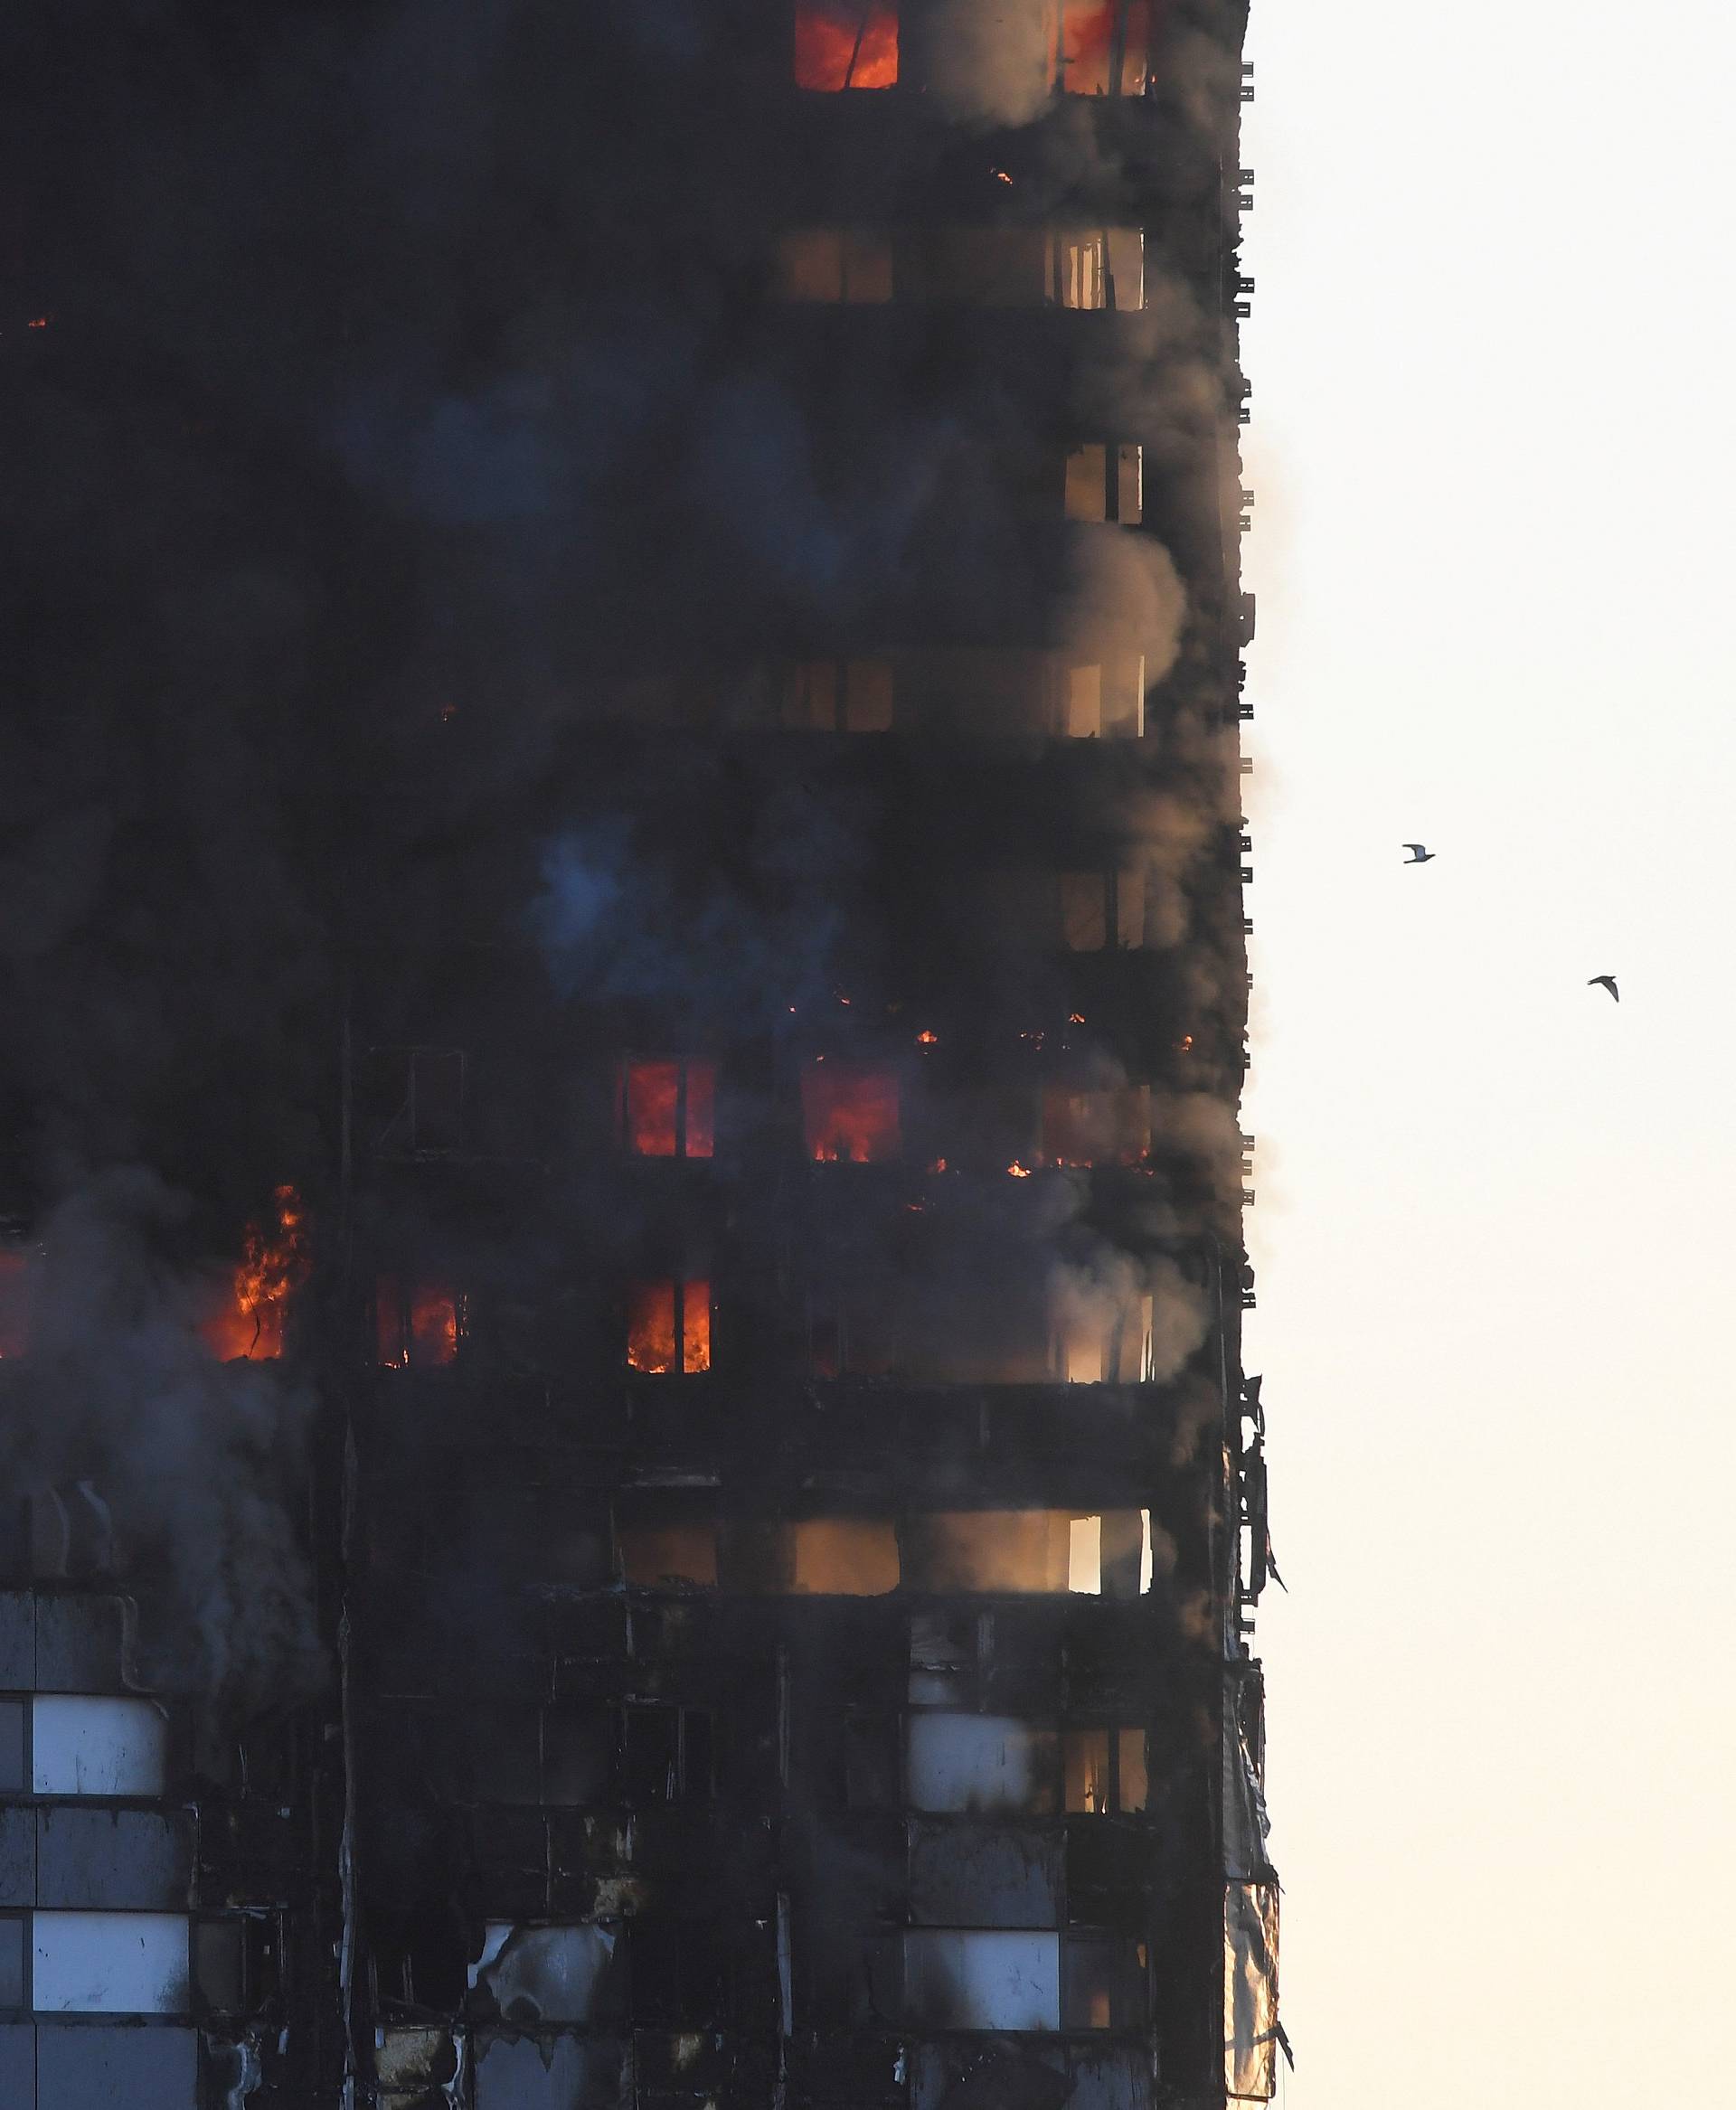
(1490, 351)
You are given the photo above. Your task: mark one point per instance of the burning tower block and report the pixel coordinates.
(714, 1510)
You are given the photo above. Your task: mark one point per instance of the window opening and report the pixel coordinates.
(1099, 47)
(1105, 483)
(668, 1106)
(419, 1323)
(1104, 1771)
(851, 265)
(1095, 903)
(838, 695)
(849, 1112)
(840, 43)
(669, 1327)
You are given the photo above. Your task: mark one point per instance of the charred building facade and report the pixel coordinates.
(630, 1480)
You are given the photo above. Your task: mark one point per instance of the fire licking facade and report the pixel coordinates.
(744, 1594)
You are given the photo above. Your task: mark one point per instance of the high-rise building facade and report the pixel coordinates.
(637, 1484)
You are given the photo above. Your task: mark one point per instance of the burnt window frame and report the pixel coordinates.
(690, 1776)
(413, 1149)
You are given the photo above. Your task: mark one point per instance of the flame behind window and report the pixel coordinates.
(1096, 1127)
(1082, 45)
(273, 1266)
(850, 1113)
(419, 1323)
(667, 1106)
(669, 1327)
(846, 43)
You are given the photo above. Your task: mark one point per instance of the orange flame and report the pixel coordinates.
(273, 1266)
(668, 1331)
(850, 1113)
(1019, 1171)
(840, 43)
(926, 1039)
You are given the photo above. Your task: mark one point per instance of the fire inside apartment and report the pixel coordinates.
(780, 1506)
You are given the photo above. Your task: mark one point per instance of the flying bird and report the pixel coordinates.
(1418, 855)
(1604, 981)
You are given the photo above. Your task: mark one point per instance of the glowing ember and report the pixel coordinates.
(273, 1268)
(1186, 1044)
(927, 1040)
(850, 1114)
(38, 321)
(1019, 1171)
(940, 1166)
(846, 43)
(1075, 1018)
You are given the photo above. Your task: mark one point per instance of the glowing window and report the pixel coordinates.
(1100, 268)
(662, 1556)
(993, 1549)
(669, 1327)
(832, 695)
(841, 1556)
(667, 1106)
(419, 1323)
(1095, 903)
(849, 1112)
(1105, 700)
(1105, 1340)
(1105, 483)
(248, 1318)
(1099, 47)
(1096, 1127)
(835, 264)
(1104, 1770)
(1087, 475)
(846, 43)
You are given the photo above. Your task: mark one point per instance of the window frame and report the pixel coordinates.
(684, 1066)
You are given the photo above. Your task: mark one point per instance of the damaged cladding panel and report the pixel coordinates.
(749, 1362)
